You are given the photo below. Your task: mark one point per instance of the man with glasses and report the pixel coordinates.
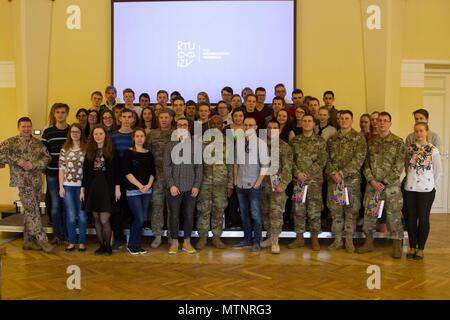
(249, 171)
(280, 91)
(184, 178)
(223, 110)
(227, 94)
(383, 167)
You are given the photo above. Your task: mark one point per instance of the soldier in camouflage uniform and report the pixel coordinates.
(27, 158)
(156, 143)
(217, 186)
(310, 158)
(346, 154)
(383, 167)
(274, 196)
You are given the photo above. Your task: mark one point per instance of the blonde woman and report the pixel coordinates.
(423, 172)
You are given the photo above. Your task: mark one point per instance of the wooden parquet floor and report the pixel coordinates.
(231, 273)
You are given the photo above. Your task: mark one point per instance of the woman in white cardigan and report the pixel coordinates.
(423, 172)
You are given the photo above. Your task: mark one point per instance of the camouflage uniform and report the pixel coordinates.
(273, 202)
(212, 199)
(310, 157)
(385, 163)
(156, 143)
(28, 182)
(347, 153)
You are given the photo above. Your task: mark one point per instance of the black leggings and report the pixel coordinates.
(418, 207)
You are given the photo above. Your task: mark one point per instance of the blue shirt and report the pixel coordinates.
(122, 142)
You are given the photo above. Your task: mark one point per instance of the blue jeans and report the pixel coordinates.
(250, 199)
(73, 212)
(139, 209)
(57, 204)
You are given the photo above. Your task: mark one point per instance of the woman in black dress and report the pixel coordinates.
(100, 187)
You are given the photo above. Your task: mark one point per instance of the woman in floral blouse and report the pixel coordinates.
(423, 172)
(71, 161)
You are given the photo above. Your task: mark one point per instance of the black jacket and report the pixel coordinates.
(112, 177)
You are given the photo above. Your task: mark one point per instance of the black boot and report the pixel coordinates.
(100, 251)
(108, 249)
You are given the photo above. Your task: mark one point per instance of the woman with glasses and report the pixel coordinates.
(92, 120)
(108, 121)
(71, 161)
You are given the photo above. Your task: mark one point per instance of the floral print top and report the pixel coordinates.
(423, 169)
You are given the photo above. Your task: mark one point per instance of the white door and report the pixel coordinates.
(437, 102)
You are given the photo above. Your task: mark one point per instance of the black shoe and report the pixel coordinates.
(133, 251)
(243, 244)
(142, 251)
(100, 251)
(108, 251)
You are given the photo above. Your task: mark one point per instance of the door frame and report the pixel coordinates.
(440, 71)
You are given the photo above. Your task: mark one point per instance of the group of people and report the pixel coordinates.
(122, 158)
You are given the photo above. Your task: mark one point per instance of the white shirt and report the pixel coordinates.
(424, 168)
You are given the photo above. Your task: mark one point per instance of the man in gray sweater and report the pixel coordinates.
(183, 177)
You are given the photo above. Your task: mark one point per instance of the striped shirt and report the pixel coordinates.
(53, 139)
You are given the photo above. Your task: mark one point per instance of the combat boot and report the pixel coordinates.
(217, 242)
(368, 245)
(337, 243)
(397, 248)
(349, 243)
(31, 245)
(201, 243)
(268, 242)
(315, 245)
(156, 242)
(47, 247)
(297, 243)
(275, 246)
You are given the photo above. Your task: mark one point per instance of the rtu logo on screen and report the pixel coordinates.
(188, 51)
